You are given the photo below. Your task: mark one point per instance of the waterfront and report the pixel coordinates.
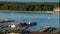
(41, 19)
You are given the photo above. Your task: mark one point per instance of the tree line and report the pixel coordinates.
(28, 6)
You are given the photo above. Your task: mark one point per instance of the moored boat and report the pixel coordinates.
(6, 20)
(29, 24)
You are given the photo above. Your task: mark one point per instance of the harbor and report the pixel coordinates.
(19, 22)
(29, 17)
(13, 29)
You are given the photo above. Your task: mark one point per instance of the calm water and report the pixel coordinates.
(41, 19)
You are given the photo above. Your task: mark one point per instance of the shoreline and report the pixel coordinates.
(41, 12)
(47, 12)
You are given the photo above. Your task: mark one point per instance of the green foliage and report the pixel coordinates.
(1, 32)
(28, 6)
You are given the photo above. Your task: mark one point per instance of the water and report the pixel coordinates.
(41, 19)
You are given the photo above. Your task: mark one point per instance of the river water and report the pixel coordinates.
(41, 19)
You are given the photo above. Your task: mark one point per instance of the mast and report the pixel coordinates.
(19, 19)
(49, 20)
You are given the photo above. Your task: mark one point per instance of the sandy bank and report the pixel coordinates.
(27, 11)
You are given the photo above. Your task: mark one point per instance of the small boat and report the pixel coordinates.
(29, 24)
(3, 21)
(32, 23)
(6, 20)
(47, 29)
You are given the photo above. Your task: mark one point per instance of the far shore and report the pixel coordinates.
(46, 12)
(26, 11)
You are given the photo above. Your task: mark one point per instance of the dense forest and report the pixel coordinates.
(28, 6)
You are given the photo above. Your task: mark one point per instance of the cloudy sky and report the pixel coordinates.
(32, 0)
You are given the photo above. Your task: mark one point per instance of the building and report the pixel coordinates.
(56, 9)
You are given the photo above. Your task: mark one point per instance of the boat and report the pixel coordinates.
(44, 29)
(3, 21)
(6, 20)
(29, 24)
(47, 29)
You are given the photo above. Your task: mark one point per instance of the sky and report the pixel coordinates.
(31, 0)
